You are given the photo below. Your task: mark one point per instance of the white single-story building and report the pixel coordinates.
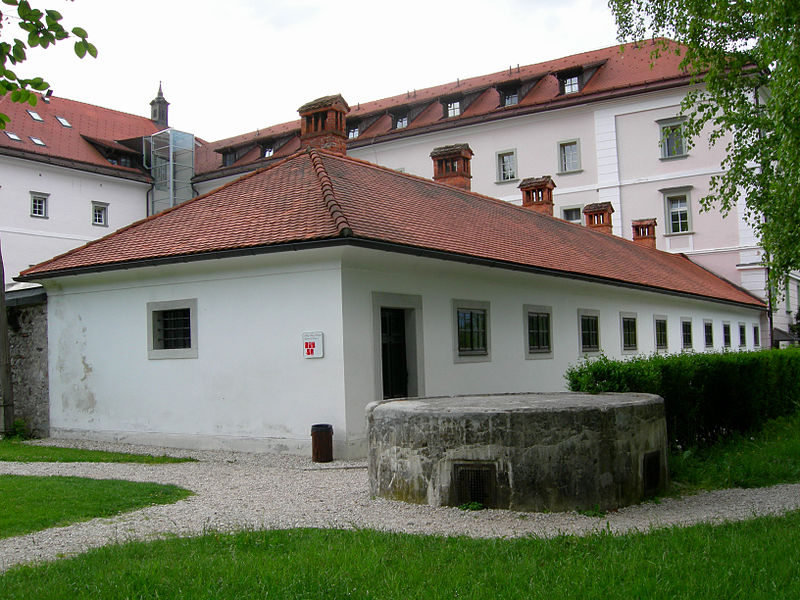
(302, 292)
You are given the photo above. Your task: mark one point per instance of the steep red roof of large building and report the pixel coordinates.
(315, 195)
(609, 71)
(77, 138)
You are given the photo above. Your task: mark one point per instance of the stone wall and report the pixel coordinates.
(27, 326)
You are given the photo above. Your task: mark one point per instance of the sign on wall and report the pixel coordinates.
(312, 344)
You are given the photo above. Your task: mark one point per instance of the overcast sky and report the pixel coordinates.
(235, 66)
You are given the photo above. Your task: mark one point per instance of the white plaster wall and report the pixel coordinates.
(439, 282)
(250, 386)
(30, 240)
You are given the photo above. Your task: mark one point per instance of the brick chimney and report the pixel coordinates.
(598, 216)
(451, 165)
(537, 194)
(644, 232)
(322, 124)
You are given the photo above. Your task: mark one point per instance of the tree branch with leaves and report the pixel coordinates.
(745, 58)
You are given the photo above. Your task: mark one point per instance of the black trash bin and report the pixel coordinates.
(322, 442)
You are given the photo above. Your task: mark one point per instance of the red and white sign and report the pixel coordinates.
(312, 344)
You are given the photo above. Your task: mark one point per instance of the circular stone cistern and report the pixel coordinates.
(527, 452)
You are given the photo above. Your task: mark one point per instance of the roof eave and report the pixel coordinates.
(376, 244)
(77, 165)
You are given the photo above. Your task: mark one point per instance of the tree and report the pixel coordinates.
(747, 56)
(42, 29)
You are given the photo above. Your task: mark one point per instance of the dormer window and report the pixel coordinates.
(228, 158)
(63, 121)
(35, 116)
(352, 132)
(401, 122)
(13, 136)
(268, 151)
(569, 83)
(509, 97)
(452, 109)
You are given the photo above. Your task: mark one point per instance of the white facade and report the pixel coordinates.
(65, 219)
(251, 387)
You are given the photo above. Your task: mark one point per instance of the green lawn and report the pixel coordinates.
(749, 560)
(33, 503)
(11, 450)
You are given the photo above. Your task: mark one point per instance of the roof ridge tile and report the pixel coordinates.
(328, 195)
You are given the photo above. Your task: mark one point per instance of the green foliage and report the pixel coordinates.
(754, 560)
(19, 431)
(41, 29)
(14, 451)
(768, 456)
(36, 503)
(472, 506)
(736, 48)
(705, 395)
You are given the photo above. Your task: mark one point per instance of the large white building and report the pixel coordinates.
(302, 292)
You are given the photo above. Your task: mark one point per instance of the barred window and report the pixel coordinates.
(471, 331)
(538, 332)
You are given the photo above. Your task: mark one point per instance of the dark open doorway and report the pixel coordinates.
(393, 353)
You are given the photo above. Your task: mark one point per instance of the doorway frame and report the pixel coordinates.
(415, 360)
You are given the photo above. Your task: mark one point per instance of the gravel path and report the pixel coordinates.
(235, 490)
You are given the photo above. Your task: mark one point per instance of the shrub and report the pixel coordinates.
(705, 395)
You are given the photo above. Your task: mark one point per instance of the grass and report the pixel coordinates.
(753, 559)
(767, 457)
(11, 450)
(33, 503)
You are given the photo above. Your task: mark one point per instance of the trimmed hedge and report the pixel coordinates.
(705, 395)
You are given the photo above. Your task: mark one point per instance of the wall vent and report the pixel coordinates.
(475, 482)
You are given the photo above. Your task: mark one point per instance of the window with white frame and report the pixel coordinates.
(472, 341)
(64, 122)
(538, 331)
(678, 211)
(37, 140)
(100, 214)
(13, 136)
(509, 97)
(401, 122)
(686, 334)
(570, 84)
(589, 330)
(661, 332)
(708, 333)
(172, 329)
(39, 205)
(572, 214)
(452, 109)
(35, 116)
(742, 335)
(628, 331)
(569, 156)
(726, 335)
(671, 141)
(507, 165)
(268, 151)
(352, 132)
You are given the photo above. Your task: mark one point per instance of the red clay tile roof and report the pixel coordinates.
(70, 143)
(315, 195)
(617, 72)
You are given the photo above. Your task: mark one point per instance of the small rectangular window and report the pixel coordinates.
(507, 165)
(268, 151)
(671, 141)
(726, 335)
(472, 331)
(13, 136)
(661, 334)
(629, 342)
(401, 122)
(509, 97)
(708, 333)
(39, 205)
(742, 335)
(570, 85)
(100, 214)
(589, 332)
(539, 332)
(573, 215)
(63, 121)
(352, 132)
(172, 329)
(37, 141)
(569, 158)
(35, 116)
(678, 213)
(756, 337)
(452, 109)
(686, 334)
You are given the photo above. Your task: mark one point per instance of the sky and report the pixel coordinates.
(232, 67)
